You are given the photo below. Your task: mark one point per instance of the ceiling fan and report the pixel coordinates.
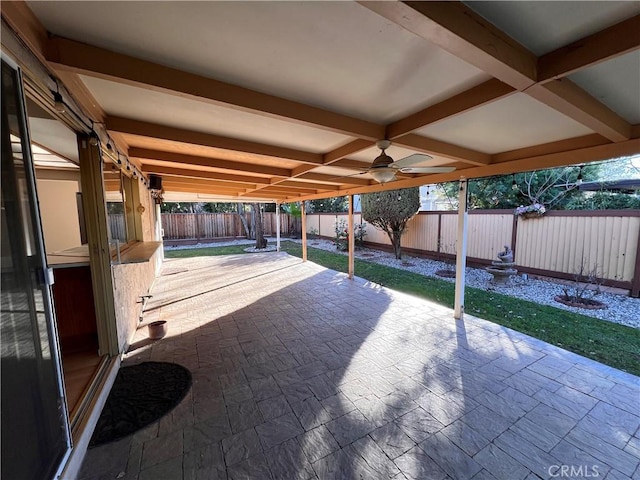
(384, 168)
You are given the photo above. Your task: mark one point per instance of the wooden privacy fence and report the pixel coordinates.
(211, 226)
(554, 245)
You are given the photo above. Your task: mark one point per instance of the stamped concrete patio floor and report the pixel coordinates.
(301, 373)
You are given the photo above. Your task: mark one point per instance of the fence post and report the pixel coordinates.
(635, 282)
(514, 236)
(439, 239)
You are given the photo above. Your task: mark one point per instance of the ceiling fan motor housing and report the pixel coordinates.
(383, 160)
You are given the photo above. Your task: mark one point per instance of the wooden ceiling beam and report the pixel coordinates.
(186, 185)
(457, 29)
(152, 130)
(243, 180)
(294, 185)
(443, 149)
(575, 143)
(177, 187)
(66, 54)
(460, 31)
(351, 164)
(350, 148)
(333, 179)
(609, 43)
(240, 187)
(189, 187)
(146, 154)
(288, 191)
(568, 98)
(486, 92)
(549, 160)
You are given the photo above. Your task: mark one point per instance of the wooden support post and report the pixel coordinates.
(303, 217)
(277, 226)
(461, 250)
(352, 239)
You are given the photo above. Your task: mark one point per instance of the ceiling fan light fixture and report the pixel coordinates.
(383, 174)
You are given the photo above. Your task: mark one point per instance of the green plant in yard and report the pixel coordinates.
(341, 239)
(610, 343)
(391, 211)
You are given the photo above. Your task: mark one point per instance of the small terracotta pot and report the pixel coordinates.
(157, 330)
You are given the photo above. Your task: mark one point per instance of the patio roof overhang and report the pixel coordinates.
(284, 101)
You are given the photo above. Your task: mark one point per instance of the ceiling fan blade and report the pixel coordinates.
(414, 159)
(427, 169)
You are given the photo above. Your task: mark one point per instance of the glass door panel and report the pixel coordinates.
(35, 434)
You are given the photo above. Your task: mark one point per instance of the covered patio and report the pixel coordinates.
(299, 372)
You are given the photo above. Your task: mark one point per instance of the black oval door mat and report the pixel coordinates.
(141, 394)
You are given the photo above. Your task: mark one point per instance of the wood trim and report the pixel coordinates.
(351, 164)
(98, 240)
(287, 191)
(170, 181)
(460, 31)
(551, 147)
(294, 185)
(152, 130)
(66, 54)
(224, 192)
(568, 98)
(84, 97)
(143, 154)
(486, 92)
(23, 21)
(341, 152)
(443, 149)
(609, 43)
(319, 177)
(221, 178)
(175, 184)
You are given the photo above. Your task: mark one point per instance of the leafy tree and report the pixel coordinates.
(295, 212)
(180, 207)
(390, 211)
(328, 205)
(256, 219)
(603, 201)
(219, 207)
(553, 188)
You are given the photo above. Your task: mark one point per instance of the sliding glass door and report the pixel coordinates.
(35, 434)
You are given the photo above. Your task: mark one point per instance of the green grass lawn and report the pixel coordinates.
(609, 343)
(206, 252)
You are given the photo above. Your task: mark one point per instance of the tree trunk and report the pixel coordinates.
(261, 242)
(395, 241)
(243, 219)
